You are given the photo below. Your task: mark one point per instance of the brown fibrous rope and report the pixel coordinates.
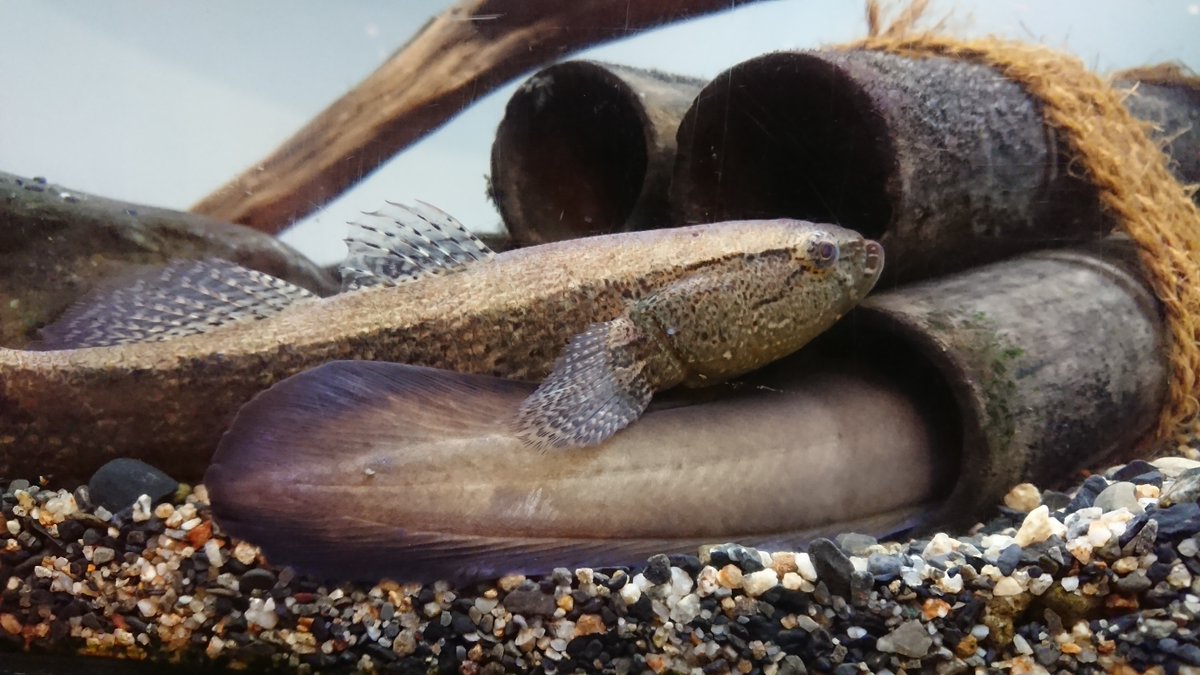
(1118, 156)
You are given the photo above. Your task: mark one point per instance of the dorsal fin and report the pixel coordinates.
(161, 303)
(399, 243)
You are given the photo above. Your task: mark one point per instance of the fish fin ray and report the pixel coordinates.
(183, 297)
(400, 243)
(597, 388)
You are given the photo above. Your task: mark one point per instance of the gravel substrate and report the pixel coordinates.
(1103, 579)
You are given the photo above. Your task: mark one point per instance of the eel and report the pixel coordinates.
(408, 473)
(628, 314)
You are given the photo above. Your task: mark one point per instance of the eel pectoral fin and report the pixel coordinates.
(400, 243)
(597, 387)
(182, 298)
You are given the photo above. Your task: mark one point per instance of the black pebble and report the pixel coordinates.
(119, 483)
(688, 563)
(884, 567)
(531, 602)
(91, 537)
(658, 569)
(744, 558)
(1085, 496)
(256, 579)
(860, 587)
(1055, 500)
(1177, 521)
(833, 567)
(642, 609)
(1008, 559)
(70, 530)
(1135, 468)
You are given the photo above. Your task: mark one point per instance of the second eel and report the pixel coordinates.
(155, 369)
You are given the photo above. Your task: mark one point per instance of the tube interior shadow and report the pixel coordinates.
(587, 148)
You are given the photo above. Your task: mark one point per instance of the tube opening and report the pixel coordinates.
(785, 135)
(570, 155)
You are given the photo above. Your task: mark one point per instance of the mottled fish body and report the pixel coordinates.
(168, 401)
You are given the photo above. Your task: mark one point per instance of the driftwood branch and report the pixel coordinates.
(471, 49)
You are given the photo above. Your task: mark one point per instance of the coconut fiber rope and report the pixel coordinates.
(1115, 152)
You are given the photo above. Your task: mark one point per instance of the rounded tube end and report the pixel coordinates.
(785, 135)
(570, 155)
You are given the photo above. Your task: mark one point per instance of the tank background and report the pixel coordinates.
(162, 103)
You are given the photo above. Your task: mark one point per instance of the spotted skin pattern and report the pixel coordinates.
(67, 412)
(723, 319)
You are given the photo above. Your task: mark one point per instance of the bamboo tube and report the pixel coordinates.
(1055, 361)
(588, 148)
(1170, 101)
(943, 161)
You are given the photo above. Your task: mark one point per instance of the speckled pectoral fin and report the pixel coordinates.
(597, 387)
(400, 243)
(183, 298)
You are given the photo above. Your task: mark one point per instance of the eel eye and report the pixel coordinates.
(825, 253)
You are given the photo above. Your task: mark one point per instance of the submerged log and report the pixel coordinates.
(588, 148)
(56, 244)
(467, 51)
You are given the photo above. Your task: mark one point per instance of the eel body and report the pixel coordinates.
(63, 413)
(410, 473)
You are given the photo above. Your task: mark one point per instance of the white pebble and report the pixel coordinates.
(1007, 586)
(1171, 467)
(804, 566)
(1041, 584)
(141, 509)
(795, 582)
(1038, 526)
(148, 607)
(855, 632)
(980, 631)
(262, 613)
(213, 553)
(686, 609)
(1021, 645)
(757, 583)
(1023, 497)
(1098, 534)
(14, 527)
(950, 583)
(1070, 584)
(706, 581)
(940, 544)
(1187, 548)
(631, 592)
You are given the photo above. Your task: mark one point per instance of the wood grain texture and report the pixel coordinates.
(461, 55)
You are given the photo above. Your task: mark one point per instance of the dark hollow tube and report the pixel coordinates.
(1055, 361)
(587, 148)
(944, 161)
(1170, 101)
